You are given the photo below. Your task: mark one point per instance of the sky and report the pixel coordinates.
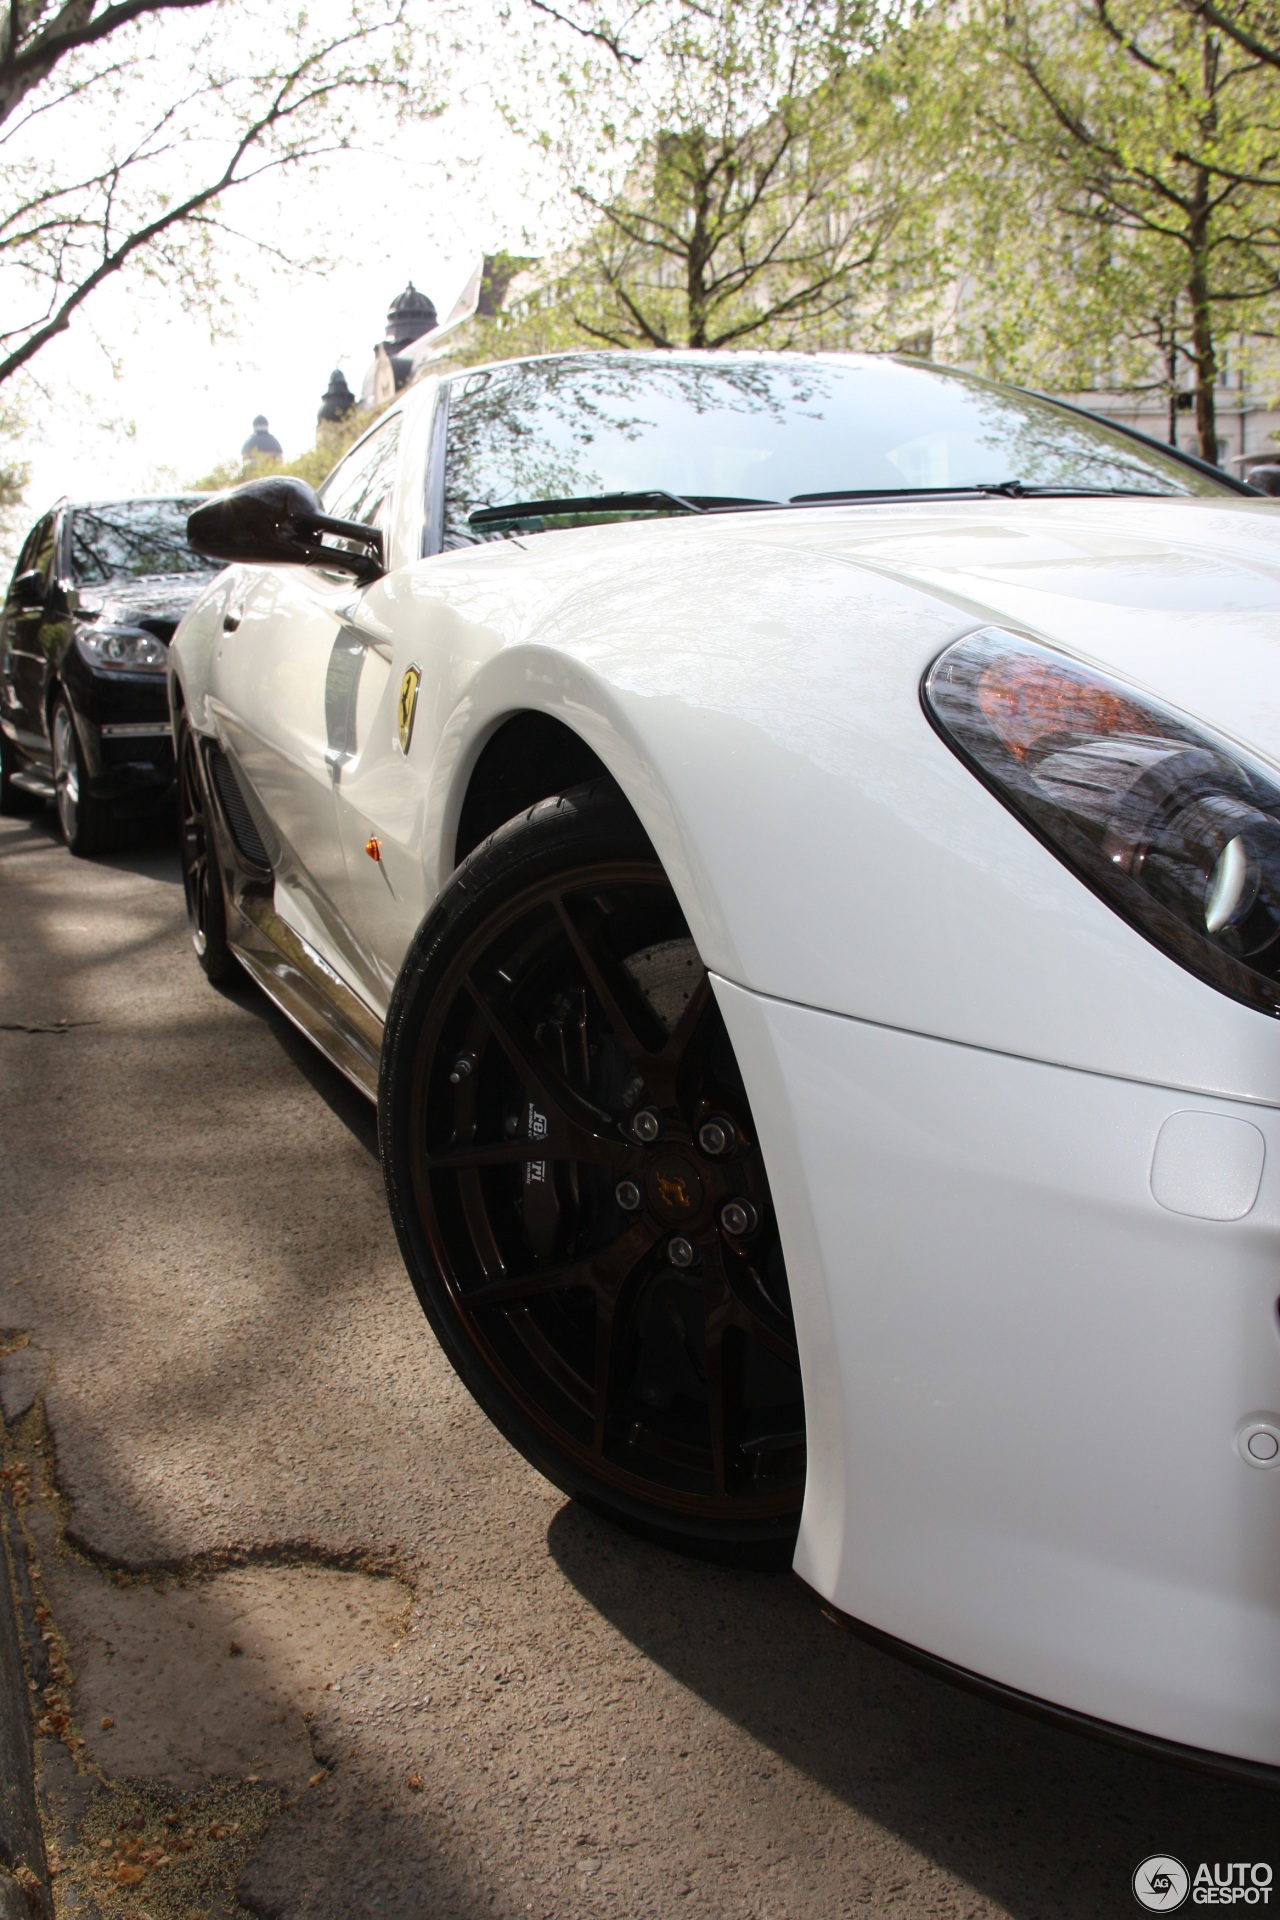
(138, 397)
(137, 394)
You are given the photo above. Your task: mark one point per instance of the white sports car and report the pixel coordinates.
(793, 844)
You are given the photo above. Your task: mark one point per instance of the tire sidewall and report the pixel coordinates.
(217, 959)
(589, 825)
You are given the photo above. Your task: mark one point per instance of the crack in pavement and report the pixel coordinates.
(143, 1802)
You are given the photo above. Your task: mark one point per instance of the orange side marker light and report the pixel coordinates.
(373, 848)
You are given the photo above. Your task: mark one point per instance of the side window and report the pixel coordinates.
(360, 486)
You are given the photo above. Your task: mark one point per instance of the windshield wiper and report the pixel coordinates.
(655, 499)
(1001, 489)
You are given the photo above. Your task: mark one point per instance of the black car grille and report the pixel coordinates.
(237, 812)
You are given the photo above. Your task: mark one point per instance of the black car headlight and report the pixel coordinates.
(124, 649)
(1175, 829)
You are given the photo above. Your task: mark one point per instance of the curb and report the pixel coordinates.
(24, 1876)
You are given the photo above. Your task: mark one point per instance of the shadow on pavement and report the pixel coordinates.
(1047, 1823)
(358, 1115)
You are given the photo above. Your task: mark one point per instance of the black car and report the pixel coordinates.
(95, 598)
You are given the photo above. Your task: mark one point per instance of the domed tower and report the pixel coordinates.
(410, 315)
(337, 399)
(261, 444)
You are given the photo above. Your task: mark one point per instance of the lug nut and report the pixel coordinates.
(627, 1195)
(739, 1218)
(464, 1064)
(716, 1136)
(646, 1126)
(680, 1251)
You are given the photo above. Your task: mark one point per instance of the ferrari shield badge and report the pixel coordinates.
(408, 705)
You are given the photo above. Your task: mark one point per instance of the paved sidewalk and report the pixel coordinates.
(316, 1642)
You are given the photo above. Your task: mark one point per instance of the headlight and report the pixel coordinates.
(1169, 825)
(127, 649)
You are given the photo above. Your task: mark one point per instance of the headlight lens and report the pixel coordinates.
(1172, 827)
(127, 649)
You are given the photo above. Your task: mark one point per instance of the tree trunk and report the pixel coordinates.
(1204, 358)
(698, 256)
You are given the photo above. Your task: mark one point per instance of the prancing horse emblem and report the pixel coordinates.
(408, 705)
(674, 1192)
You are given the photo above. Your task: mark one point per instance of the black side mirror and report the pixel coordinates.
(27, 589)
(279, 519)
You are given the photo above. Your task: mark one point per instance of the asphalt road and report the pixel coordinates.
(318, 1643)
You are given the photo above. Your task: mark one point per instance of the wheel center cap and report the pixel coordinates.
(674, 1188)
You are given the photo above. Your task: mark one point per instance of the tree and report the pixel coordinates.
(125, 128)
(731, 179)
(1122, 193)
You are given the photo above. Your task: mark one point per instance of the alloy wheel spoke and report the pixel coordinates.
(625, 1007)
(751, 1321)
(606, 1273)
(532, 1063)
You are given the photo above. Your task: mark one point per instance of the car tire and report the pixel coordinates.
(88, 825)
(626, 1329)
(201, 871)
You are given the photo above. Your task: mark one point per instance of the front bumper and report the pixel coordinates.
(1030, 1384)
(125, 732)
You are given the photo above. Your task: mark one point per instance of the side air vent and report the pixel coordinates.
(236, 811)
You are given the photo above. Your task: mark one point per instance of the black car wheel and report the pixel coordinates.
(201, 878)
(577, 1185)
(88, 824)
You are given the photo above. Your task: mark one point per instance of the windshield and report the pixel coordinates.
(127, 539)
(735, 430)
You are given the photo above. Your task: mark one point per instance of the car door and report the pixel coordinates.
(277, 689)
(374, 675)
(26, 661)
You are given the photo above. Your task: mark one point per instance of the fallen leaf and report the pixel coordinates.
(416, 1782)
(130, 1876)
(316, 1778)
(107, 1723)
(216, 1832)
(235, 1650)
(252, 1779)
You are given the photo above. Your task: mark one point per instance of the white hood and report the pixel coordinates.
(1181, 597)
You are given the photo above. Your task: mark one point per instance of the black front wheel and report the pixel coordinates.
(577, 1184)
(88, 824)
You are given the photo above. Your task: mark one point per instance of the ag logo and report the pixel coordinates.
(407, 705)
(1161, 1883)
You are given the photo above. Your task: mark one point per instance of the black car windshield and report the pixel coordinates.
(128, 539)
(548, 436)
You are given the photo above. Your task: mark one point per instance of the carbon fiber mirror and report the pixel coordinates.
(278, 521)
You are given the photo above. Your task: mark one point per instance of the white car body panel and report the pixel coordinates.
(1025, 1378)
(1041, 1374)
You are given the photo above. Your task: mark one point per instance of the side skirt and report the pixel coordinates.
(307, 991)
